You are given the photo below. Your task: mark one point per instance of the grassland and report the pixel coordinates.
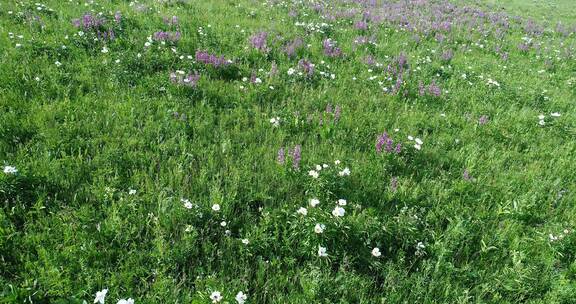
(294, 151)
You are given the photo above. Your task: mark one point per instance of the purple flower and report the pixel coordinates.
(166, 36)
(361, 25)
(483, 120)
(191, 79)
(105, 35)
(385, 142)
(281, 158)
(118, 17)
(296, 156)
(370, 60)
(394, 184)
(291, 48)
(447, 55)
(273, 69)
(523, 47)
(210, 59)
(330, 48)
(307, 66)
(380, 141)
(402, 61)
(434, 89)
(170, 21)
(89, 22)
(389, 145)
(337, 113)
(258, 41)
(421, 89)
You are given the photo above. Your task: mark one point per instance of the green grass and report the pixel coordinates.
(83, 134)
(546, 11)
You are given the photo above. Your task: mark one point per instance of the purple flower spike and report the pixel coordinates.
(337, 113)
(394, 184)
(307, 66)
(281, 158)
(258, 41)
(296, 156)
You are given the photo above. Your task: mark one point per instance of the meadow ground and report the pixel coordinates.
(241, 151)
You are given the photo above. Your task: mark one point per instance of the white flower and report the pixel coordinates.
(338, 211)
(223, 223)
(187, 203)
(419, 141)
(10, 170)
(325, 166)
(245, 241)
(241, 297)
(216, 207)
(129, 301)
(100, 295)
(57, 63)
(337, 162)
(542, 122)
(291, 71)
(344, 172)
(410, 137)
(555, 114)
(313, 173)
(376, 252)
(541, 116)
(302, 211)
(216, 297)
(275, 121)
(314, 202)
(417, 147)
(322, 251)
(342, 202)
(319, 228)
(188, 228)
(131, 191)
(318, 168)
(104, 50)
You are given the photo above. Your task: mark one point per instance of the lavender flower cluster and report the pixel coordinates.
(295, 153)
(385, 144)
(167, 36)
(258, 41)
(89, 22)
(330, 48)
(211, 59)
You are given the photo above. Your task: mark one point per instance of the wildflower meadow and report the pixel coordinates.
(287, 151)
